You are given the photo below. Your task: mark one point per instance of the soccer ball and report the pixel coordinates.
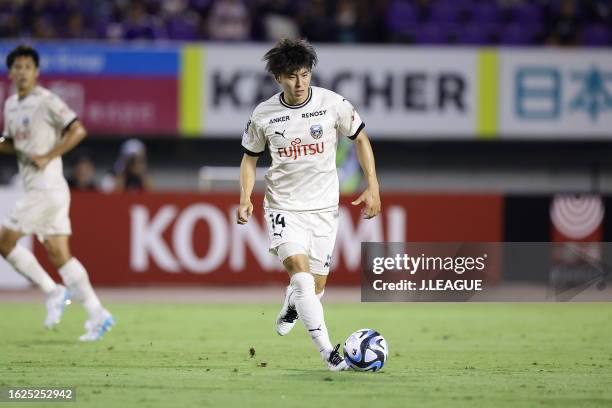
(366, 350)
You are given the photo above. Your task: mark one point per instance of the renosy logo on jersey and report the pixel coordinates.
(297, 149)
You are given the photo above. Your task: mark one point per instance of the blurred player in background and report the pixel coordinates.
(129, 172)
(82, 176)
(301, 126)
(39, 128)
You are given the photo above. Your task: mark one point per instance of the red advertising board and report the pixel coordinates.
(117, 105)
(164, 238)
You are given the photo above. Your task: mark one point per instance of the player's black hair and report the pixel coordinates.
(289, 56)
(22, 51)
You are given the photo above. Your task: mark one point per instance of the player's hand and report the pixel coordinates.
(371, 198)
(244, 212)
(40, 161)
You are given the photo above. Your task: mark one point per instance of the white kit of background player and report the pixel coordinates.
(39, 128)
(301, 126)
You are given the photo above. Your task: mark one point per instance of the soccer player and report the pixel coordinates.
(39, 128)
(301, 126)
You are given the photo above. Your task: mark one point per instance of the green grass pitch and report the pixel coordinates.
(441, 355)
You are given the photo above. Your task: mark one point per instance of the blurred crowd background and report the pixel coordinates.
(441, 164)
(473, 22)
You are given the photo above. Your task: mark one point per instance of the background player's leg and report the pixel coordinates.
(75, 277)
(307, 303)
(72, 272)
(23, 261)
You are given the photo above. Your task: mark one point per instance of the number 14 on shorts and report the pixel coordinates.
(277, 219)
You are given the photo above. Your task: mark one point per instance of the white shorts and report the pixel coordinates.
(43, 213)
(312, 234)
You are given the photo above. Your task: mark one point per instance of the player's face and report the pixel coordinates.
(23, 73)
(295, 85)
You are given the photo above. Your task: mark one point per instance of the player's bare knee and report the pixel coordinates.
(58, 254)
(7, 243)
(59, 259)
(319, 286)
(296, 263)
(6, 249)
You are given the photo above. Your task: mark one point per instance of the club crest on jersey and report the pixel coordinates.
(316, 131)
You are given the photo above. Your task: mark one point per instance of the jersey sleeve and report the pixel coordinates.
(60, 115)
(253, 139)
(348, 122)
(5, 127)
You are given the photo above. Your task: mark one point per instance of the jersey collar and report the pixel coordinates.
(301, 105)
(34, 91)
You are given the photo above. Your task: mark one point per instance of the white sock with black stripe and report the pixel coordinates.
(310, 311)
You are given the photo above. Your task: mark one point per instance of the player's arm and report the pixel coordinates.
(73, 135)
(6, 145)
(248, 167)
(371, 196)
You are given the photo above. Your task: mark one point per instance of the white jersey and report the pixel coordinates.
(302, 142)
(36, 123)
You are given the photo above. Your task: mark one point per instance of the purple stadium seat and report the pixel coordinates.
(461, 4)
(473, 34)
(485, 12)
(597, 35)
(527, 13)
(445, 12)
(430, 33)
(199, 5)
(181, 28)
(517, 34)
(401, 15)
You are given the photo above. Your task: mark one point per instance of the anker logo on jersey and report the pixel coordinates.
(279, 119)
(313, 114)
(297, 149)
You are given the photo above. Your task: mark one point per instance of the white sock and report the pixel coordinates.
(292, 297)
(75, 277)
(310, 310)
(24, 262)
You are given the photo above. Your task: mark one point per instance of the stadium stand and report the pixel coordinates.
(470, 22)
